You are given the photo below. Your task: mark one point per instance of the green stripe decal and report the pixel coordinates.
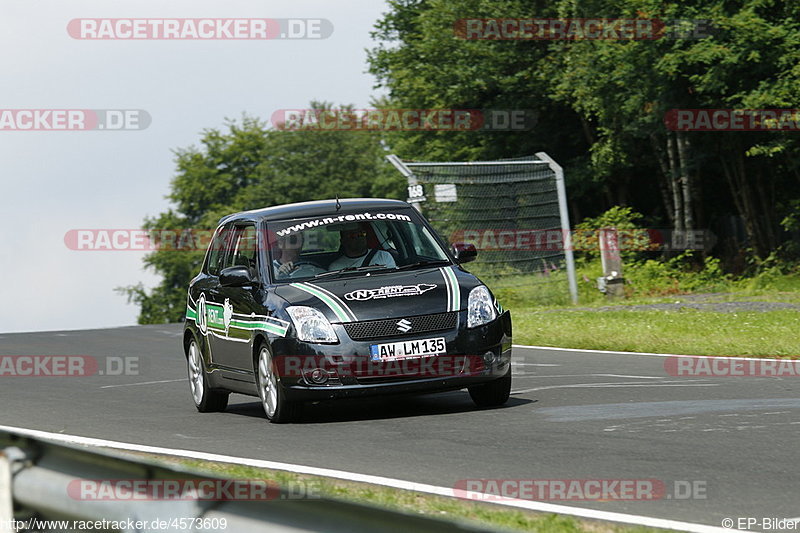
(215, 320)
(340, 313)
(455, 289)
(349, 312)
(447, 288)
(272, 328)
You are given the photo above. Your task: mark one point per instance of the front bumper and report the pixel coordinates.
(474, 356)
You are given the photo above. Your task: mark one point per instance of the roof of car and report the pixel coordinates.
(316, 208)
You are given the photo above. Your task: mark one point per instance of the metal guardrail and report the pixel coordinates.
(36, 475)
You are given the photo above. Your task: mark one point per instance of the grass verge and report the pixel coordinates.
(543, 315)
(692, 332)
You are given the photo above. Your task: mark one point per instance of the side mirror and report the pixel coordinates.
(235, 276)
(464, 252)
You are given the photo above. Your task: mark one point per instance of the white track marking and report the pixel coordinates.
(627, 376)
(598, 375)
(617, 385)
(736, 358)
(142, 383)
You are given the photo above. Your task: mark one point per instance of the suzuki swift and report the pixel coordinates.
(340, 298)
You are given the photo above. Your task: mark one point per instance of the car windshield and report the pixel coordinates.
(342, 244)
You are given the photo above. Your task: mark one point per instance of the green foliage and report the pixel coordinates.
(792, 220)
(516, 292)
(791, 248)
(617, 217)
(774, 273)
(424, 65)
(677, 275)
(246, 167)
(632, 238)
(602, 103)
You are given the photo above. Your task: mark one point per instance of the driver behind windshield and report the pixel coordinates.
(356, 253)
(289, 264)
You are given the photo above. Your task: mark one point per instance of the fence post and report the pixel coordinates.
(565, 227)
(415, 195)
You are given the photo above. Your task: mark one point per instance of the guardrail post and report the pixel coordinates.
(6, 498)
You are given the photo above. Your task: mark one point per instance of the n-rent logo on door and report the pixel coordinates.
(218, 319)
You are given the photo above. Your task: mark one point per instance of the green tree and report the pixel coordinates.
(602, 103)
(250, 166)
(749, 61)
(425, 65)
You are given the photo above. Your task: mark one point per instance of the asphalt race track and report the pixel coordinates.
(572, 415)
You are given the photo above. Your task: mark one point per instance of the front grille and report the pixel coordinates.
(375, 329)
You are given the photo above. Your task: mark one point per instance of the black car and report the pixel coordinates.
(340, 298)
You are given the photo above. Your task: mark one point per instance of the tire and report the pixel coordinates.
(492, 394)
(205, 399)
(278, 409)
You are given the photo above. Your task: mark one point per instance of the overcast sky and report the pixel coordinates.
(56, 181)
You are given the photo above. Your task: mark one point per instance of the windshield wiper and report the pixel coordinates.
(351, 269)
(424, 263)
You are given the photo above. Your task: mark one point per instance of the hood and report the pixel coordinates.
(385, 295)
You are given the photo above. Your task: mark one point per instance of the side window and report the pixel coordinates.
(218, 247)
(243, 250)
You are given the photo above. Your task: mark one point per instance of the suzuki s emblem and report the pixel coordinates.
(404, 326)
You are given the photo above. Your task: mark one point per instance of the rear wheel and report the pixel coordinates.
(278, 409)
(492, 394)
(205, 399)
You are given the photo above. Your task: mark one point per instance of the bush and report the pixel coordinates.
(633, 239)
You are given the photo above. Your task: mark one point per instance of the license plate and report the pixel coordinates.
(398, 350)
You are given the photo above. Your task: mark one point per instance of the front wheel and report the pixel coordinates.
(492, 394)
(205, 399)
(278, 409)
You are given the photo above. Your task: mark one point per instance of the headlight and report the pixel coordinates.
(311, 325)
(480, 310)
